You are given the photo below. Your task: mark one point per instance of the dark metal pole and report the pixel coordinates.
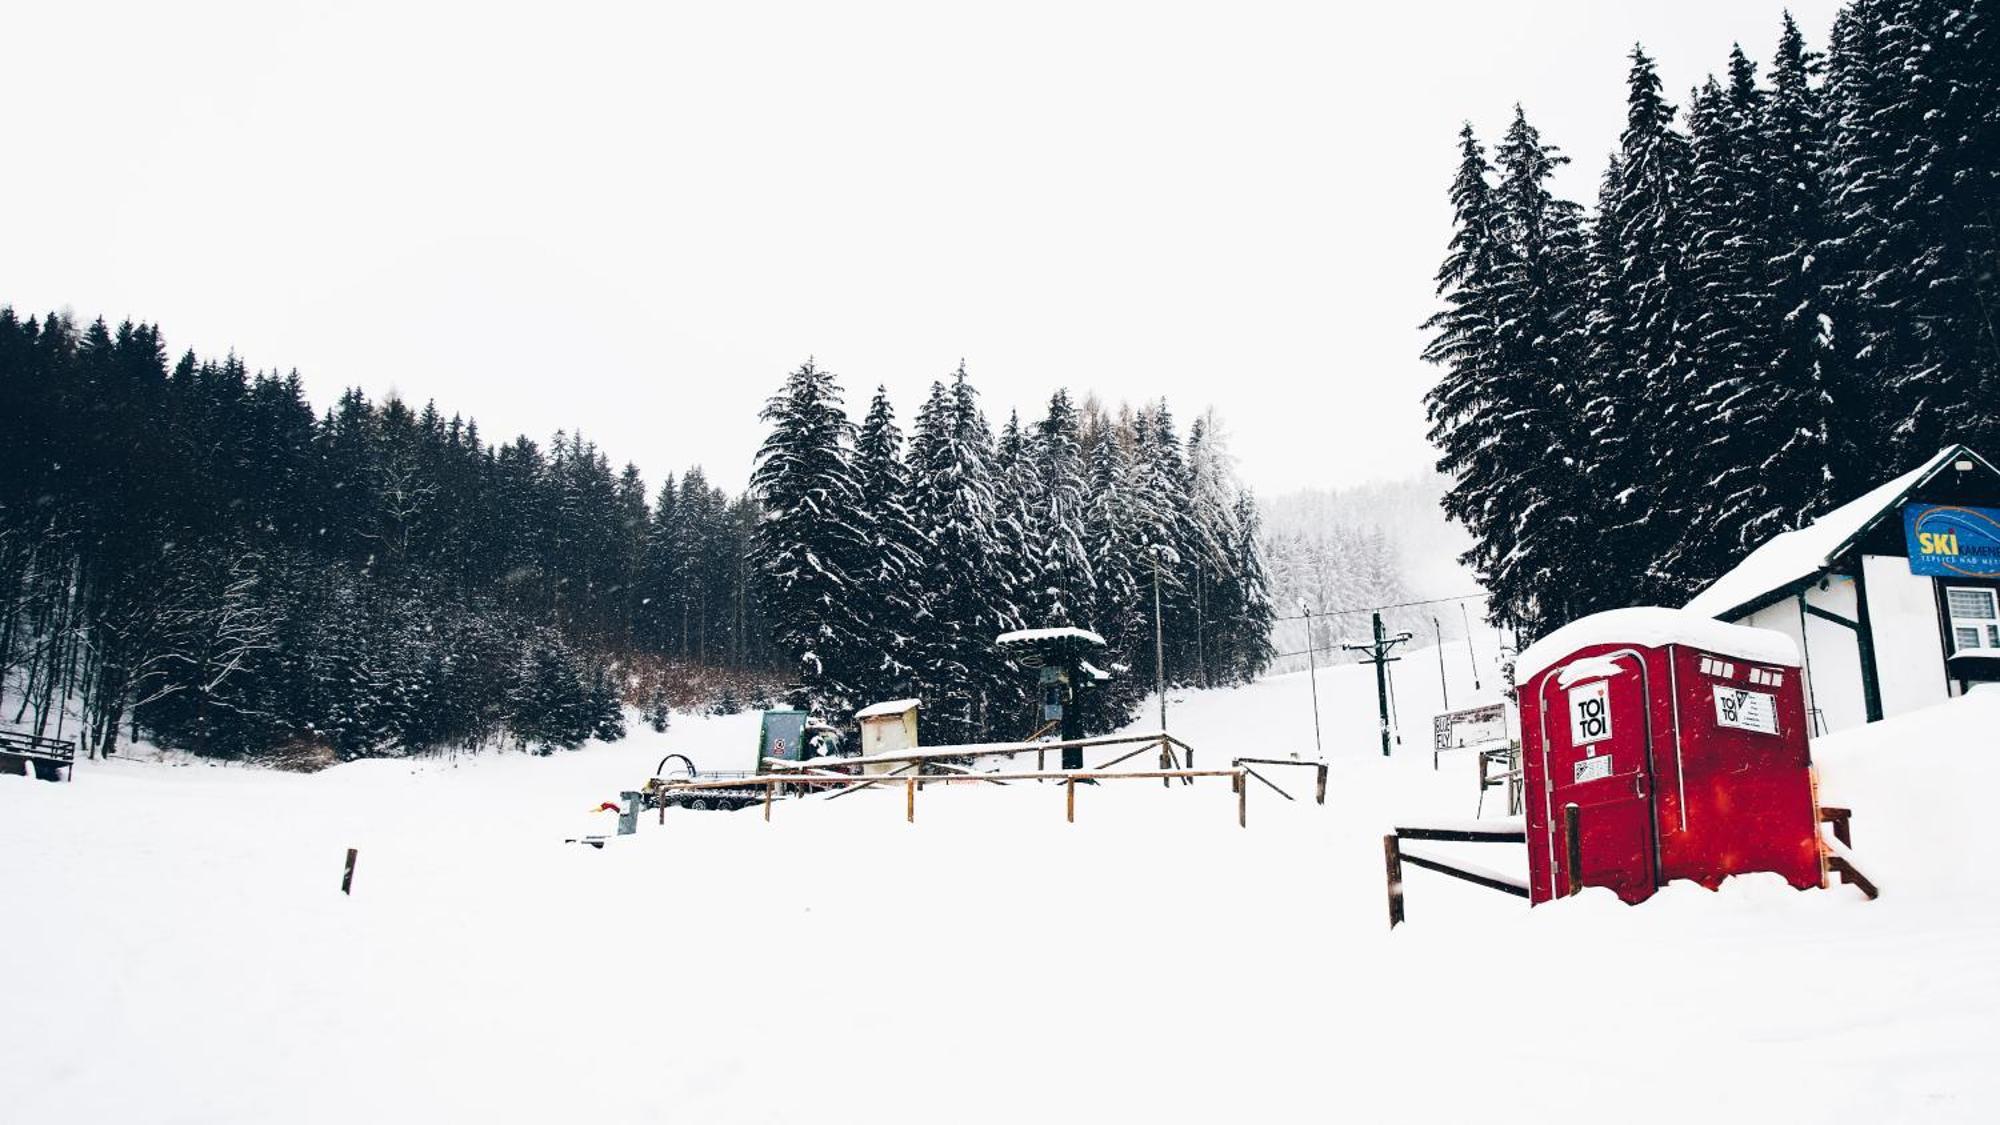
(1443, 687)
(1382, 681)
(1312, 665)
(1466, 616)
(1159, 642)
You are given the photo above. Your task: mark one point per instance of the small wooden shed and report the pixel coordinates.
(887, 728)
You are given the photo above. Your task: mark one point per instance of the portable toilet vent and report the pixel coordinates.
(1682, 743)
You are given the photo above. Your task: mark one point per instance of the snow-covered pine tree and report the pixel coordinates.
(1016, 487)
(967, 591)
(1063, 591)
(1536, 296)
(1465, 408)
(1121, 609)
(1940, 259)
(1868, 112)
(810, 548)
(891, 582)
(1504, 415)
(1213, 538)
(1807, 316)
(1739, 421)
(1640, 331)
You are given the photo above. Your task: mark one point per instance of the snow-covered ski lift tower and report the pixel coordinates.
(1063, 657)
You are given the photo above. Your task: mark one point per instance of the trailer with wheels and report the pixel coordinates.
(657, 794)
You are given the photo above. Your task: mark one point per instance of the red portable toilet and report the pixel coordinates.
(1682, 742)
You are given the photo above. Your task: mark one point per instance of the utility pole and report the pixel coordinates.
(1378, 655)
(1312, 666)
(1159, 642)
(1443, 687)
(1466, 617)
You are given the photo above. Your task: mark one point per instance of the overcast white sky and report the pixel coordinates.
(635, 219)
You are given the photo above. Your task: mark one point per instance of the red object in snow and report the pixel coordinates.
(606, 807)
(1682, 742)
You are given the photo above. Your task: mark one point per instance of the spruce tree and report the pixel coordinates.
(895, 564)
(810, 548)
(1640, 333)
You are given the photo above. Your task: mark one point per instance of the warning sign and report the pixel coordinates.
(1746, 710)
(1590, 713)
(1590, 769)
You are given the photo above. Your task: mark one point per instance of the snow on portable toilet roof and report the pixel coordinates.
(1796, 557)
(1656, 627)
(887, 707)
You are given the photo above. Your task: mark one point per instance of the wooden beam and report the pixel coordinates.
(1471, 876)
(859, 782)
(1268, 781)
(1850, 874)
(1392, 862)
(1466, 835)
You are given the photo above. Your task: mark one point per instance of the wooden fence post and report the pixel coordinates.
(910, 800)
(1321, 793)
(1070, 798)
(1573, 846)
(347, 876)
(769, 789)
(1242, 801)
(1392, 860)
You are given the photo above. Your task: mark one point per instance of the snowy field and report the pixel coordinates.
(180, 951)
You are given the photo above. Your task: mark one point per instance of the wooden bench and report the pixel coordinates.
(51, 759)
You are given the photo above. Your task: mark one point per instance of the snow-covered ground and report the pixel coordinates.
(178, 949)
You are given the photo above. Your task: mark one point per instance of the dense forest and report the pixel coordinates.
(188, 550)
(190, 554)
(1784, 295)
(890, 572)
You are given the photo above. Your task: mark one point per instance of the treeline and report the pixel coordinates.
(888, 572)
(1782, 296)
(189, 553)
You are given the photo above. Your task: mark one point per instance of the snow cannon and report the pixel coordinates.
(1659, 744)
(1062, 657)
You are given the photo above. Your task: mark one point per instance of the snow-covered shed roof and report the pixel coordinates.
(1794, 558)
(1656, 627)
(885, 708)
(1066, 632)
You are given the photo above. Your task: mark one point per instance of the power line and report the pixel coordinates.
(1372, 609)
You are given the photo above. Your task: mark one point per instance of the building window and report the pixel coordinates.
(1975, 617)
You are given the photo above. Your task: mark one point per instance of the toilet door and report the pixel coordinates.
(1596, 756)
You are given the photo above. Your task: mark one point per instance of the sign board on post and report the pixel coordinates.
(1947, 540)
(1470, 726)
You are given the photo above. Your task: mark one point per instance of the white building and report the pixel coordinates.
(1883, 624)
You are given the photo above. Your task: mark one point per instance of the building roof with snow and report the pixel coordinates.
(1038, 636)
(1790, 561)
(886, 708)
